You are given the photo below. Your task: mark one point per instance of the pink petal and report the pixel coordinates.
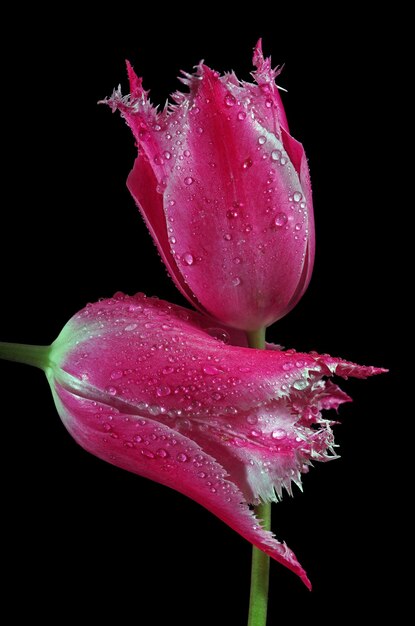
(267, 98)
(154, 451)
(249, 409)
(142, 185)
(240, 236)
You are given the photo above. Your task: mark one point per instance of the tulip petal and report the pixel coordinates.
(155, 451)
(235, 187)
(297, 156)
(268, 100)
(142, 185)
(256, 412)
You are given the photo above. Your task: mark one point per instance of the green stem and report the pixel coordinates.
(22, 353)
(258, 599)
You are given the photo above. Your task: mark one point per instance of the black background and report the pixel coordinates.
(98, 541)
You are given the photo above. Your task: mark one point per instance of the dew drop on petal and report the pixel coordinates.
(227, 237)
(262, 140)
(188, 258)
(188, 180)
(163, 391)
(138, 439)
(276, 155)
(252, 419)
(231, 214)
(211, 370)
(167, 155)
(297, 196)
(116, 374)
(162, 453)
(280, 219)
(278, 433)
(230, 100)
(130, 327)
(111, 390)
(236, 281)
(219, 333)
(300, 384)
(182, 458)
(241, 116)
(247, 164)
(148, 454)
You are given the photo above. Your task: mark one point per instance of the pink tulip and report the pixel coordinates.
(225, 192)
(152, 388)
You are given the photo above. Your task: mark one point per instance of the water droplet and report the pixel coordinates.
(252, 419)
(287, 366)
(162, 453)
(237, 260)
(297, 196)
(236, 281)
(278, 433)
(112, 391)
(231, 214)
(188, 180)
(248, 228)
(227, 237)
(138, 439)
(168, 370)
(158, 160)
(219, 333)
(148, 454)
(298, 227)
(283, 160)
(167, 155)
(182, 458)
(172, 202)
(230, 100)
(216, 396)
(280, 219)
(163, 391)
(172, 240)
(186, 153)
(202, 474)
(188, 259)
(211, 370)
(200, 130)
(116, 374)
(247, 164)
(131, 327)
(303, 205)
(300, 384)
(241, 115)
(276, 155)
(256, 433)
(262, 140)
(268, 103)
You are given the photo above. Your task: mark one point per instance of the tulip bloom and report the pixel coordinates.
(225, 192)
(155, 389)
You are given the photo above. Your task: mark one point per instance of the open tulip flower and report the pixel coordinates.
(155, 389)
(225, 192)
